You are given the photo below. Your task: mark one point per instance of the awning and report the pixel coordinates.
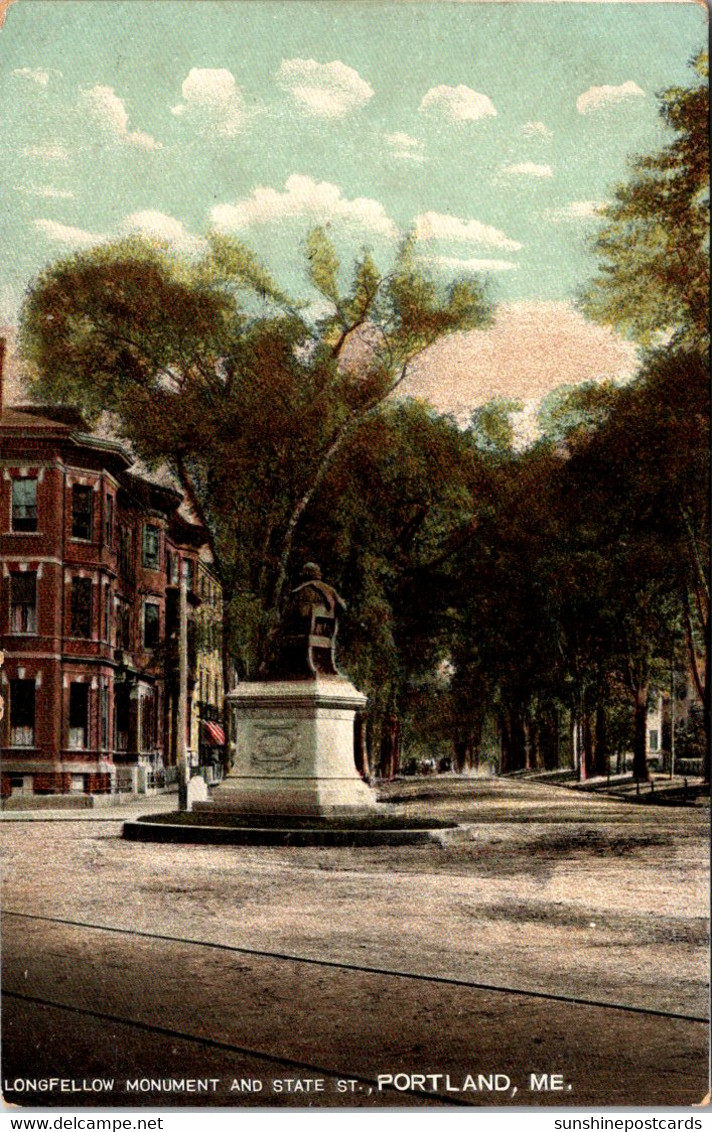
(215, 731)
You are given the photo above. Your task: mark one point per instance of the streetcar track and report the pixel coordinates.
(368, 970)
(245, 1051)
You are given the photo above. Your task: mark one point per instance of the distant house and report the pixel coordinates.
(91, 557)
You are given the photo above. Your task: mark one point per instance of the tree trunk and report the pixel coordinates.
(532, 742)
(466, 748)
(587, 745)
(517, 753)
(476, 742)
(227, 627)
(464, 755)
(703, 682)
(360, 746)
(706, 714)
(600, 754)
(549, 741)
(574, 738)
(391, 735)
(460, 749)
(640, 734)
(505, 746)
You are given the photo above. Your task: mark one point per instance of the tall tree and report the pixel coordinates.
(387, 526)
(653, 247)
(653, 283)
(207, 367)
(635, 491)
(502, 640)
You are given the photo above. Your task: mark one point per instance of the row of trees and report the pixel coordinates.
(526, 589)
(486, 586)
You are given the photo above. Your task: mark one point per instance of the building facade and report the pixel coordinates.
(91, 558)
(207, 735)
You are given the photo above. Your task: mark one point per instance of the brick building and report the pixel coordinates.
(91, 556)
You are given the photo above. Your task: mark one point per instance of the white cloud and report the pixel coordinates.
(536, 130)
(575, 210)
(531, 348)
(33, 75)
(459, 103)
(327, 90)
(108, 110)
(528, 169)
(439, 226)
(148, 223)
(319, 201)
(46, 152)
(404, 147)
(215, 99)
(158, 226)
(46, 191)
(597, 97)
(471, 265)
(10, 301)
(63, 234)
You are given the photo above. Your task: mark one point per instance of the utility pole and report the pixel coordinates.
(182, 723)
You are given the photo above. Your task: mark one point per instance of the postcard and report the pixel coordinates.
(354, 555)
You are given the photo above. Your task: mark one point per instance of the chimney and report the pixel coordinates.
(2, 365)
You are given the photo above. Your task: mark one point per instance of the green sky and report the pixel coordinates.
(493, 128)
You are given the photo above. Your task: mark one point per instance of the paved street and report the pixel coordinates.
(553, 934)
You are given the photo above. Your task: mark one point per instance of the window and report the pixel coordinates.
(81, 607)
(151, 546)
(104, 716)
(24, 504)
(107, 610)
(109, 521)
(78, 716)
(151, 625)
(653, 741)
(22, 713)
(23, 603)
(188, 567)
(82, 511)
(172, 564)
(121, 717)
(148, 720)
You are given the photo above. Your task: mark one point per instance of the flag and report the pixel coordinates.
(215, 731)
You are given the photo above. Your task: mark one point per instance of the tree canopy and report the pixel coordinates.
(653, 246)
(208, 367)
(536, 595)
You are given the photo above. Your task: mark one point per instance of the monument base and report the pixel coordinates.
(294, 751)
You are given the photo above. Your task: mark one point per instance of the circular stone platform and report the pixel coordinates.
(181, 827)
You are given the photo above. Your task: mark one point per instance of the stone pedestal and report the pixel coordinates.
(295, 751)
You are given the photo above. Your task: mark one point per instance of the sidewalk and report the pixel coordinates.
(130, 808)
(660, 789)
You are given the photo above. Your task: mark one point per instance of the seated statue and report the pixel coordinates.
(308, 632)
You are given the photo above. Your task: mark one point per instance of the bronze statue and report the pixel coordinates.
(308, 632)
